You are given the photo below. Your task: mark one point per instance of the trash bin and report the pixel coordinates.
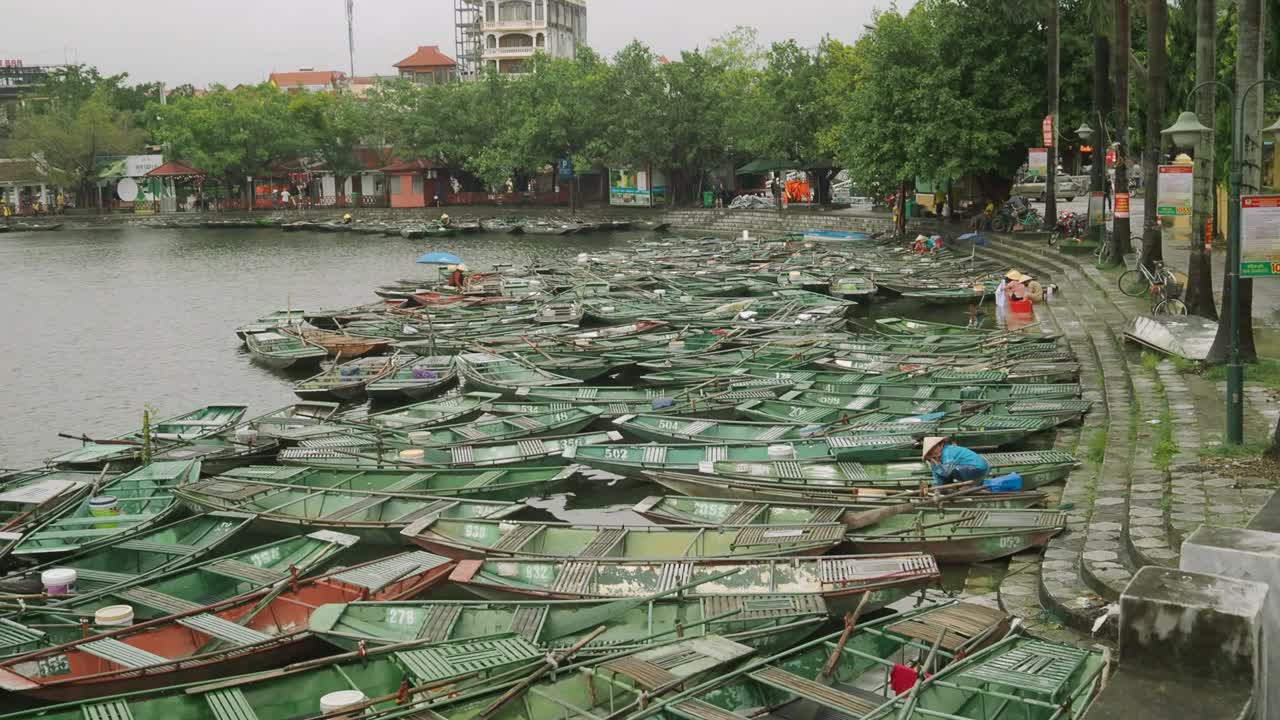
(708, 199)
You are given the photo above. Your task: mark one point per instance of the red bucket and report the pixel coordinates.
(1020, 306)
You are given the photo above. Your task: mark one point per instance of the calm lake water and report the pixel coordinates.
(99, 322)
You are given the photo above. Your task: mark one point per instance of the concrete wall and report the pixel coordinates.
(767, 222)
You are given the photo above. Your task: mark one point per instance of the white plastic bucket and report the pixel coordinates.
(413, 455)
(104, 506)
(794, 276)
(340, 700)
(114, 616)
(419, 437)
(246, 436)
(59, 581)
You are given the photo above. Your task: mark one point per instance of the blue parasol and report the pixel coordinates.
(440, 258)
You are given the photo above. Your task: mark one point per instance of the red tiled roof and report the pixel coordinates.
(308, 77)
(409, 166)
(426, 56)
(173, 168)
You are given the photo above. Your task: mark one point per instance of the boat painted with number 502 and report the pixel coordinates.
(479, 538)
(838, 579)
(768, 623)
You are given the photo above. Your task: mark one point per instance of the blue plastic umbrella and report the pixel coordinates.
(440, 258)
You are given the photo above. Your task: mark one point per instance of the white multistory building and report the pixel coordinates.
(504, 34)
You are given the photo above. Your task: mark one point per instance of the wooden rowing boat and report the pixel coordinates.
(499, 374)
(344, 383)
(533, 451)
(429, 413)
(251, 632)
(374, 506)
(144, 500)
(838, 579)
(479, 538)
(341, 345)
(279, 351)
(633, 459)
(769, 623)
(414, 380)
(254, 441)
(29, 497)
(185, 589)
(126, 449)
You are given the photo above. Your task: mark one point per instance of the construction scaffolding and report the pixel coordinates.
(467, 42)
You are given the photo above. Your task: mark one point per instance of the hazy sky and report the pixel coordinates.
(235, 41)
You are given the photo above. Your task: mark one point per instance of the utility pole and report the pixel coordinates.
(351, 40)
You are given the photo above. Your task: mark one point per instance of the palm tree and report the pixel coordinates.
(1248, 70)
(1200, 264)
(1157, 77)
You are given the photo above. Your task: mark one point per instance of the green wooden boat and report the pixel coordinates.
(176, 591)
(144, 498)
(667, 429)
(476, 538)
(375, 516)
(951, 296)
(505, 483)
(768, 623)
(414, 380)
(838, 579)
(657, 397)
(754, 356)
(253, 631)
(496, 373)
(946, 393)
(908, 326)
(295, 690)
(29, 497)
(1021, 677)
(533, 451)
(253, 441)
(802, 406)
(155, 551)
(633, 459)
(279, 350)
(127, 448)
(839, 675)
(344, 383)
(506, 427)
(852, 287)
(685, 510)
(960, 535)
(441, 411)
(784, 479)
(273, 322)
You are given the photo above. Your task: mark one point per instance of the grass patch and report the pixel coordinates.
(1184, 366)
(1097, 448)
(1234, 452)
(1265, 372)
(1150, 361)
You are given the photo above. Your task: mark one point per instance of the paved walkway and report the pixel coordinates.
(1140, 488)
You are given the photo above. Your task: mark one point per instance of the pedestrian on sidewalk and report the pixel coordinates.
(1106, 193)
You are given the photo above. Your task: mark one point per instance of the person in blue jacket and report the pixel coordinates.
(951, 463)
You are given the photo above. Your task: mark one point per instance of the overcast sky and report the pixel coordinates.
(241, 41)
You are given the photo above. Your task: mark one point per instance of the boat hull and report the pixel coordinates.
(957, 550)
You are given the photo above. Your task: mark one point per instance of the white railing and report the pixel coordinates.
(514, 24)
(510, 51)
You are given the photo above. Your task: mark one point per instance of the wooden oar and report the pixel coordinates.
(86, 439)
(909, 707)
(520, 689)
(859, 520)
(850, 622)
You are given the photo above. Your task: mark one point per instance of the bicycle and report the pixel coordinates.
(1159, 283)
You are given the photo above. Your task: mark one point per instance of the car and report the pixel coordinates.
(1033, 186)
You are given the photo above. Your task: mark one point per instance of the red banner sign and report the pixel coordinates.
(1046, 127)
(1122, 205)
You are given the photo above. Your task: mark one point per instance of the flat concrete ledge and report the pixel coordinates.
(1267, 519)
(1136, 695)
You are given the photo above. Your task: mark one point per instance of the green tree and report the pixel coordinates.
(333, 127)
(65, 138)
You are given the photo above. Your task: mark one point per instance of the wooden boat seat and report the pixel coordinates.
(157, 600)
(439, 506)
(527, 621)
(470, 433)
(110, 710)
(531, 448)
(809, 690)
(756, 535)
(485, 478)
(574, 578)
(743, 514)
(525, 423)
(673, 575)
(378, 575)
(517, 538)
(699, 710)
(225, 630)
(355, 508)
(603, 542)
(157, 547)
(438, 624)
(462, 455)
(15, 635)
(101, 578)
(962, 621)
(444, 661)
(119, 653)
(826, 515)
(646, 674)
(238, 570)
(1044, 669)
(229, 704)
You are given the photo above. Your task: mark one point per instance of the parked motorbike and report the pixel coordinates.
(1069, 225)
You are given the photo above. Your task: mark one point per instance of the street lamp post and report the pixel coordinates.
(1089, 135)
(1184, 133)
